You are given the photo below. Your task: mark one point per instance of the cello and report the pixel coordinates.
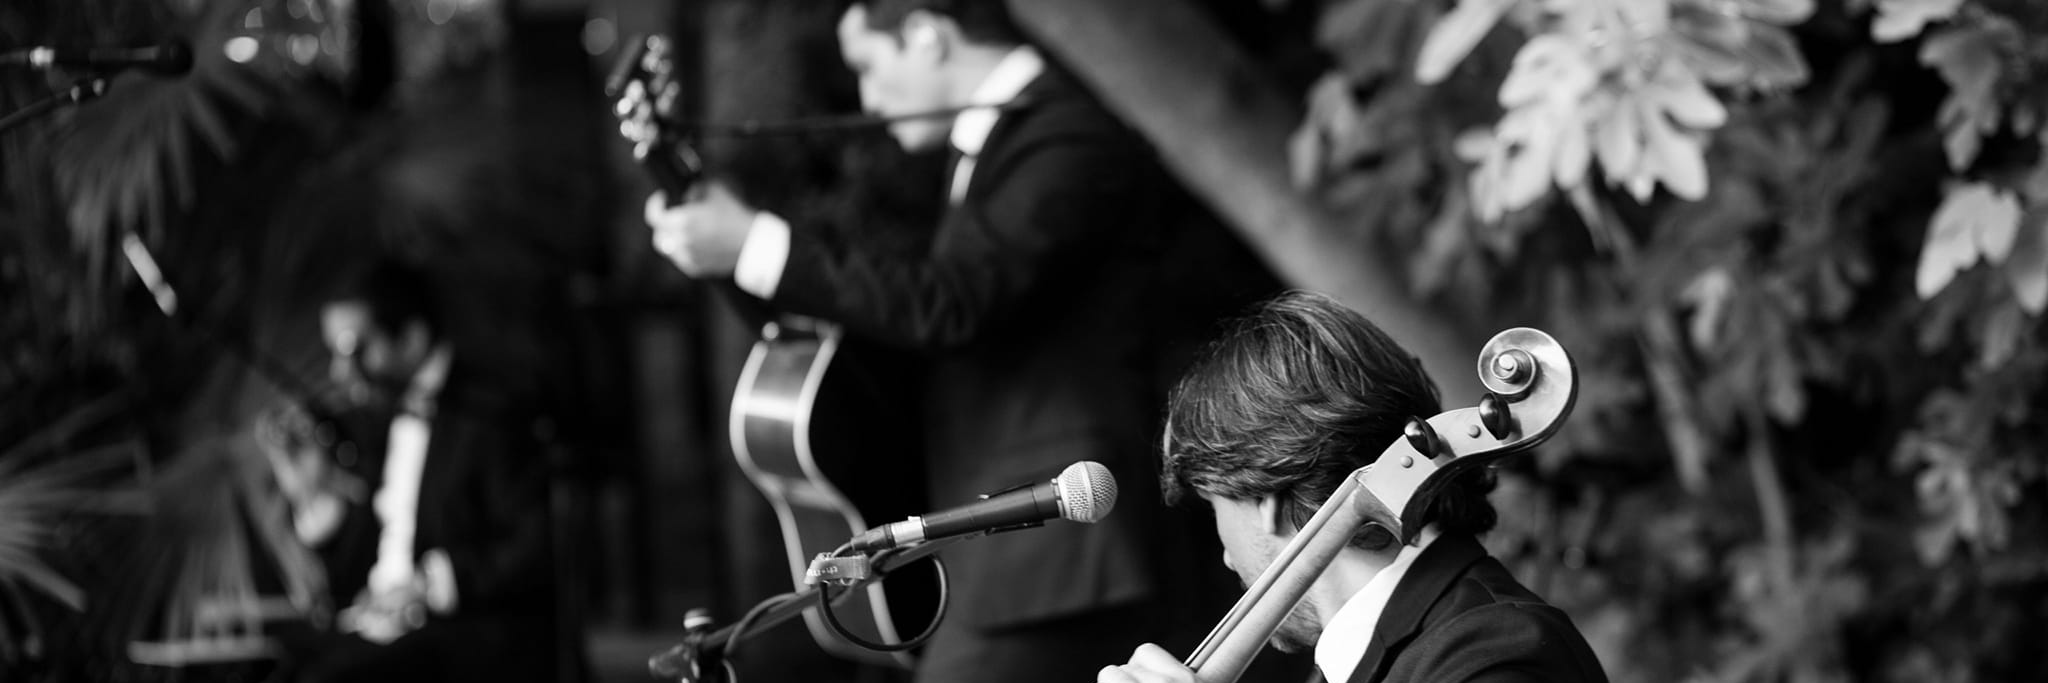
(1531, 385)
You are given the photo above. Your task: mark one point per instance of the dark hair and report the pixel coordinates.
(981, 21)
(396, 293)
(1293, 398)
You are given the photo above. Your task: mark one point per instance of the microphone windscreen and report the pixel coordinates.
(1087, 492)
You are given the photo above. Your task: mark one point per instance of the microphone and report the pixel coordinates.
(173, 57)
(1084, 492)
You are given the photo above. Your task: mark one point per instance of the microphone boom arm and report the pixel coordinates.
(83, 90)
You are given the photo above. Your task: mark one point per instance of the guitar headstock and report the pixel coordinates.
(646, 98)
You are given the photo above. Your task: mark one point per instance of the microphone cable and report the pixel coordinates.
(938, 615)
(739, 628)
(826, 123)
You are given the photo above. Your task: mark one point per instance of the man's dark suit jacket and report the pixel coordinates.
(1458, 615)
(1028, 308)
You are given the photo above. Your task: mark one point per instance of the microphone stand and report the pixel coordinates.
(139, 258)
(146, 268)
(82, 90)
(702, 656)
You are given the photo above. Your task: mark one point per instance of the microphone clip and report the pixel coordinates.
(845, 570)
(1014, 527)
(1033, 524)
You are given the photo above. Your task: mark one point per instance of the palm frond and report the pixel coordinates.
(131, 160)
(37, 494)
(219, 516)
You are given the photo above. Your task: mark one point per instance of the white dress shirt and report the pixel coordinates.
(766, 250)
(396, 502)
(1349, 631)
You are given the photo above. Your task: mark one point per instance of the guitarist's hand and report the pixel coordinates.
(701, 236)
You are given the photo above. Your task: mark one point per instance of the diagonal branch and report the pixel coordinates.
(1221, 126)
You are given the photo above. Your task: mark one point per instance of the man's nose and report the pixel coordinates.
(338, 368)
(345, 366)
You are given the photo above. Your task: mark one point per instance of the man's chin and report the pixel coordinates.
(372, 394)
(918, 136)
(1298, 631)
(1290, 643)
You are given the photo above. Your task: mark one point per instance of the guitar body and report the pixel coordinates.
(772, 429)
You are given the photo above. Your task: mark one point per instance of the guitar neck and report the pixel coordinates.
(674, 166)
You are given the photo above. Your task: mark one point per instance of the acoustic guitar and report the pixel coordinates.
(786, 377)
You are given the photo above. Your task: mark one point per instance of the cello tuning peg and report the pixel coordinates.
(1422, 437)
(1496, 416)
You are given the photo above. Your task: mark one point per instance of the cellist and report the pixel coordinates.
(1282, 408)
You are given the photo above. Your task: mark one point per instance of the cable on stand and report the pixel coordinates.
(705, 656)
(825, 608)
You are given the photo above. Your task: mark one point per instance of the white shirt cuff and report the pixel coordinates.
(439, 572)
(762, 256)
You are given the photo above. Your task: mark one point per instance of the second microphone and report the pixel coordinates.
(1084, 492)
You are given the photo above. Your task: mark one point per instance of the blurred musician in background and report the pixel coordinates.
(448, 557)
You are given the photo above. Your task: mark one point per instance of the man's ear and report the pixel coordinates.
(925, 32)
(1270, 506)
(417, 336)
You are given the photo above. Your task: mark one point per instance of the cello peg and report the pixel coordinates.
(1495, 414)
(1422, 438)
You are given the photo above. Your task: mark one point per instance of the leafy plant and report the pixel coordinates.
(1798, 247)
(95, 376)
(37, 497)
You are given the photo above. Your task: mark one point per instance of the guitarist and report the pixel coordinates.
(1026, 309)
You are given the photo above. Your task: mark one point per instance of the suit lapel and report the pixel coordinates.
(1431, 576)
(1047, 85)
(1017, 110)
(441, 476)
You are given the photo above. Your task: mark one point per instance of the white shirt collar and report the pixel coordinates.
(1349, 631)
(425, 387)
(1016, 70)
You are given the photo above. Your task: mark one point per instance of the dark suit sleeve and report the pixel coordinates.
(1050, 202)
(1504, 643)
(511, 568)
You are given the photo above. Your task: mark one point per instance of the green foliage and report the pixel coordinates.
(1801, 250)
(135, 503)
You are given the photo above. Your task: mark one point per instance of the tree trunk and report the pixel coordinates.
(1221, 126)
